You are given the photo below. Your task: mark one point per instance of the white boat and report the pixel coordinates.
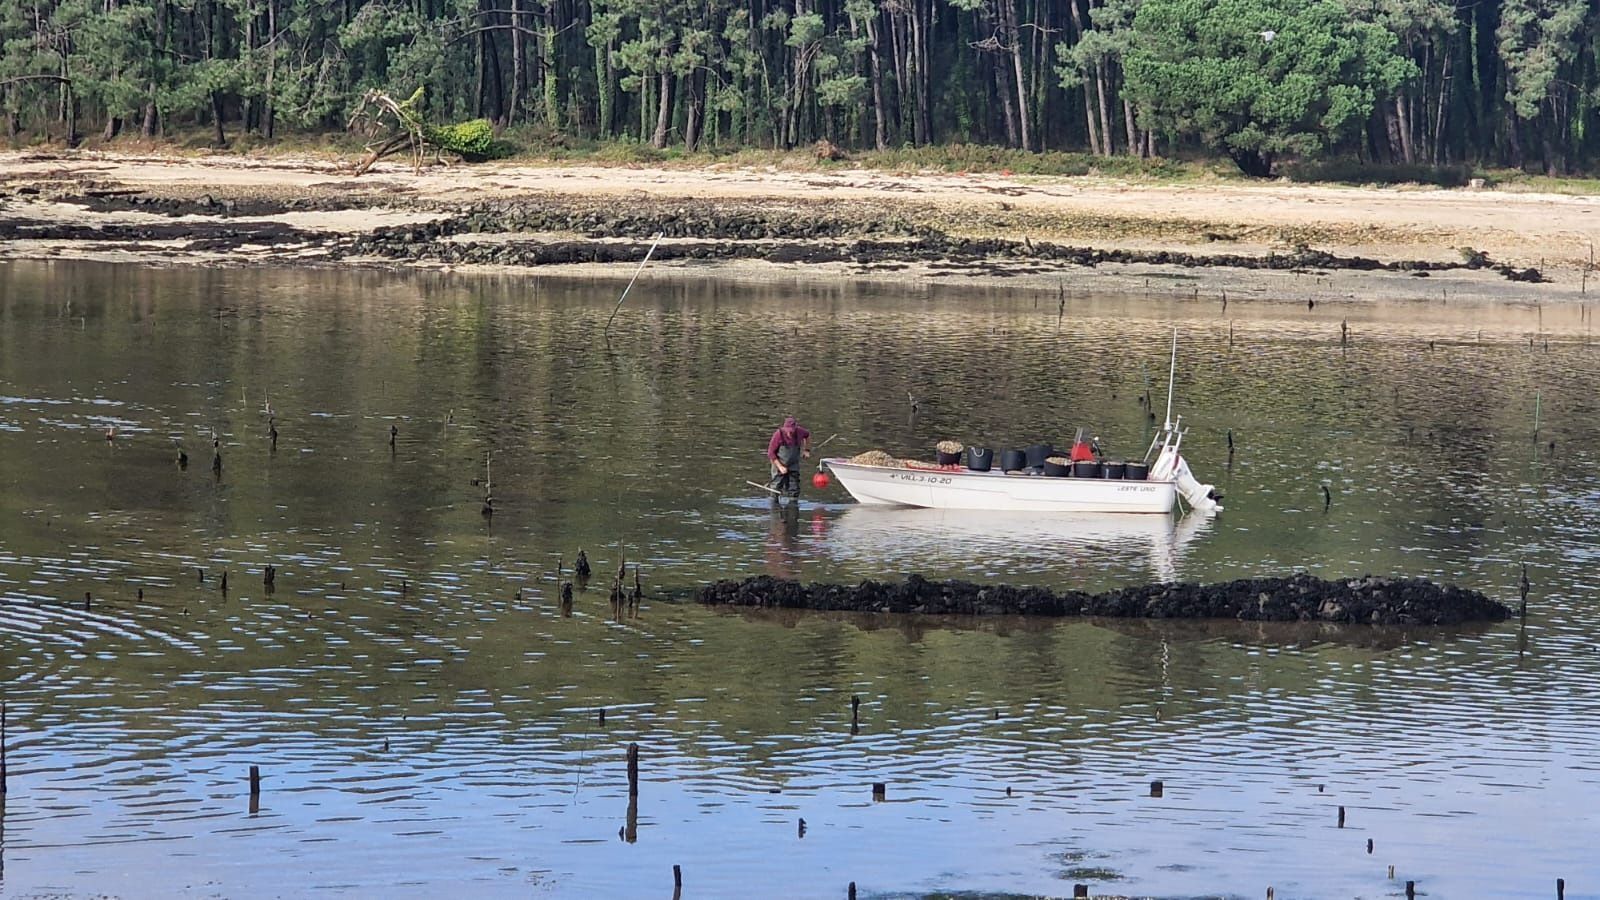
(953, 487)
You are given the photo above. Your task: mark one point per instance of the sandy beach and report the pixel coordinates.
(1273, 240)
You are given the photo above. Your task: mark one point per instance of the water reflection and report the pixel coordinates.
(992, 542)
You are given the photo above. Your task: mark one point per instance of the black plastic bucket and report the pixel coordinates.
(1115, 468)
(980, 459)
(1057, 470)
(1086, 468)
(948, 459)
(1135, 470)
(1038, 453)
(1012, 460)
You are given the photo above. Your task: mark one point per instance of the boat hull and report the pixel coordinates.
(943, 488)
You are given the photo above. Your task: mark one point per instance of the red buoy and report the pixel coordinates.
(820, 480)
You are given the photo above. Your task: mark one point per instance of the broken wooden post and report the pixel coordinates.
(851, 893)
(86, 600)
(1080, 890)
(1369, 846)
(1157, 788)
(566, 599)
(602, 717)
(1341, 817)
(633, 770)
(255, 781)
(1561, 889)
(224, 581)
(581, 567)
(677, 878)
(1411, 890)
(880, 790)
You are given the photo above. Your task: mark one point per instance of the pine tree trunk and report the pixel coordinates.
(219, 138)
(1134, 148)
(663, 110)
(112, 129)
(924, 78)
(552, 82)
(880, 136)
(481, 101)
(1514, 142)
(268, 104)
(1002, 85)
(151, 114)
(519, 61)
(1039, 94)
(902, 108)
(1438, 121)
(919, 119)
(1105, 113)
(1402, 115)
(1088, 96)
(607, 87)
(694, 112)
(497, 83)
(1009, 10)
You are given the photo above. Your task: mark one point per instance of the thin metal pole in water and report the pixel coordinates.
(625, 290)
(1172, 372)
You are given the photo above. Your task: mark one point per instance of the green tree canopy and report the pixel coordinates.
(1258, 79)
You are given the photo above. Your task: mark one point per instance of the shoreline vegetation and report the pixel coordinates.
(1173, 229)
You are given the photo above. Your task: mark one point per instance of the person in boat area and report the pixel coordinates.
(789, 444)
(1084, 447)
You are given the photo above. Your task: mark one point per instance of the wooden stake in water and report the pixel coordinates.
(4, 714)
(633, 770)
(1538, 402)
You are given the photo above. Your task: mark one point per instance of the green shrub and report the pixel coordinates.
(472, 139)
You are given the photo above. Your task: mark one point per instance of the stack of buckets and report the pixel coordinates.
(1040, 459)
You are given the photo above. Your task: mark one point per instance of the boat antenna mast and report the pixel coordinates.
(1172, 372)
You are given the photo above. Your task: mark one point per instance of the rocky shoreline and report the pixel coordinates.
(1088, 235)
(536, 232)
(1368, 600)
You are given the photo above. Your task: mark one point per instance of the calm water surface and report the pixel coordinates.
(443, 735)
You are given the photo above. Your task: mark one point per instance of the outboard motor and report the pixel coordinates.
(1200, 496)
(1170, 466)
